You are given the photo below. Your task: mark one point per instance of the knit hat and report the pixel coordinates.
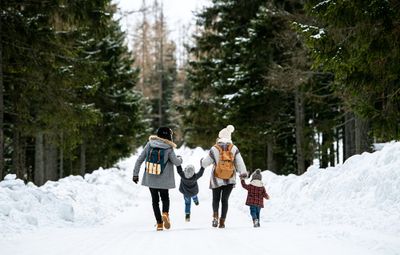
(165, 133)
(256, 175)
(189, 171)
(224, 135)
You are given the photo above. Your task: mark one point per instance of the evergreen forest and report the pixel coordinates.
(302, 81)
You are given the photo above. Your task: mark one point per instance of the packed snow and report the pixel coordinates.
(353, 208)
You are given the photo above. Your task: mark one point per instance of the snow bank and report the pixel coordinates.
(363, 192)
(74, 201)
(70, 201)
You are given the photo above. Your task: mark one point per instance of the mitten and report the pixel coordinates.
(243, 175)
(135, 179)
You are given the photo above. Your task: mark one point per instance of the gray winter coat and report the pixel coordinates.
(166, 180)
(188, 186)
(212, 159)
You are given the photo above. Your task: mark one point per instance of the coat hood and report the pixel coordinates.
(158, 142)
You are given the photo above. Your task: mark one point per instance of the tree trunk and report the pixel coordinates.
(362, 140)
(332, 153)
(2, 171)
(349, 139)
(39, 160)
(324, 151)
(18, 155)
(83, 159)
(300, 120)
(270, 156)
(337, 137)
(61, 172)
(160, 110)
(250, 162)
(50, 158)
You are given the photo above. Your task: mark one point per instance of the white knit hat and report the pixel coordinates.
(189, 171)
(224, 135)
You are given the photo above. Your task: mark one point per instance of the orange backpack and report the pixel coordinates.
(225, 167)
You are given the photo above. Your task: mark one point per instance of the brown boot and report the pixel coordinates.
(215, 220)
(165, 218)
(221, 223)
(159, 226)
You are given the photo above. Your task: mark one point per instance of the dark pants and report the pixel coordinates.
(221, 194)
(155, 197)
(255, 212)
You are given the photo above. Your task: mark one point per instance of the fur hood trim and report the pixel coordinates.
(257, 183)
(154, 137)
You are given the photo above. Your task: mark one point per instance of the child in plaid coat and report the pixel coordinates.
(255, 196)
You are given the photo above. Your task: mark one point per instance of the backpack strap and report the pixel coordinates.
(218, 148)
(212, 154)
(149, 153)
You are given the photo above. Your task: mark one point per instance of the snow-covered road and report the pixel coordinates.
(133, 232)
(351, 209)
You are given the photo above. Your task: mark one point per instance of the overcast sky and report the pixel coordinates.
(176, 12)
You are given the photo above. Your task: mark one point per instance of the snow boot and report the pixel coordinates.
(256, 223)
(221, 223)
(196, 202)
(167, 223)
(187, 217)
(159, 226)
(215, 220)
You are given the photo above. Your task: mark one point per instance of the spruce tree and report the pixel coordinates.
(359, 43)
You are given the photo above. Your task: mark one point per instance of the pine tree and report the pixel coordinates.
(57, 64)
(359, 43)
(233, 56)
(250, 68)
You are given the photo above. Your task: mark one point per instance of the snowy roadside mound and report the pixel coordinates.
(73, 200)
(363, 192)
(68, 202)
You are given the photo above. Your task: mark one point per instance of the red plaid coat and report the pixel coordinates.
(255, 195)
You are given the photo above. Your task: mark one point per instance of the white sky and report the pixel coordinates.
(177, 12)
(179, 15)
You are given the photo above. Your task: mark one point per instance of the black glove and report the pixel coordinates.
(135, 179)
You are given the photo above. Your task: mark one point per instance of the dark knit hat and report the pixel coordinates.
(256, 175)
(165, 133)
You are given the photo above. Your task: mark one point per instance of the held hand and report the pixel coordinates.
(135, 179)
(243, 176)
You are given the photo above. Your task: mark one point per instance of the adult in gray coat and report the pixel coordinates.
(159, 182)
(222, 188)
